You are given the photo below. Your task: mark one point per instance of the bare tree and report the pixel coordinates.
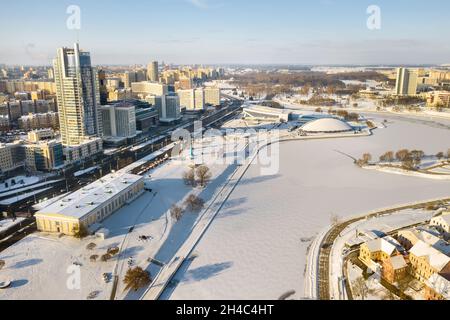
(194, 203)
(176, 212)
(440, 155)
(387, 157)
(402, 154)
(203, 175)
(360, 288)
(136, 278)
(366, 158)
(189, 177)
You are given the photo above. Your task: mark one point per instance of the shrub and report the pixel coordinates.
(106, 257)
(91, 246)
(203, 175)
(194, 203)
(176, 212)
(80, 232)
(113, 251)
(93, 258)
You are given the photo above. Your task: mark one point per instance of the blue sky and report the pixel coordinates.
(229, 31)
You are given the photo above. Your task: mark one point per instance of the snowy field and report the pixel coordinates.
(253, 249)
(45, 260)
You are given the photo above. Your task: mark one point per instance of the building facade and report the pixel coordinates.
(78, 96)
(153, 72)
(406, 84)
(44, 156)
(119, 120)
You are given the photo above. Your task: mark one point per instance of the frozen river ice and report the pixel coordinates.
(253, 250)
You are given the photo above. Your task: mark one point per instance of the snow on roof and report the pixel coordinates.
(435, 258)
(398, 262)
(387, 245)
(80, 203)
(440, 285)
(445, 217)
(327, 125)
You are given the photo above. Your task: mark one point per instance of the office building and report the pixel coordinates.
(86, 149)
(406, 82)
(44, 155)
(145, 88)
(11, 156)
(119, 120)
(146, 118)
(78, 96)
(168, 107)
(41, 135)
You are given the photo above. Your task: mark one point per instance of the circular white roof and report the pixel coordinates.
(327, 125)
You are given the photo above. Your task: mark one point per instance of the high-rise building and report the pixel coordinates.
(152, 71)
(119, 120)
(406, 82)
(192, 99)
(103, 87)
(168, 107)
(78, 96)
(212, 96)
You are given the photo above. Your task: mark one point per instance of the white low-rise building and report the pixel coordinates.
(91, 204)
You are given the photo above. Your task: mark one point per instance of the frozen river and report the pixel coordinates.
(253, 250)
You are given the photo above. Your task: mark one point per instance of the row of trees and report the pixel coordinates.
(193, 203)
(410, 160)
(194, 176)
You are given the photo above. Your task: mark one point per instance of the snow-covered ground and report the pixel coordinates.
(21, 196)
(5, 224)
(21, 181)
(42, 260)
(253, 250)
(256, 247)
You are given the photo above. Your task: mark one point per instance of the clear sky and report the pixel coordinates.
(229, 31)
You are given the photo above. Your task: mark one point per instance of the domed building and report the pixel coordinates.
(327, 125)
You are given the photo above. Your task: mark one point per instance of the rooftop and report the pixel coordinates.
(386, 244)
(80, 203)
(435, 258)
(327, 125)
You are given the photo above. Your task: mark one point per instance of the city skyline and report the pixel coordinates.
(230, 32)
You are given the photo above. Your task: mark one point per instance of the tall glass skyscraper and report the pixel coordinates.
(78, 96)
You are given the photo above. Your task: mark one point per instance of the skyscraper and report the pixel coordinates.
(406, 82)
(152, 71)
(78, 96)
